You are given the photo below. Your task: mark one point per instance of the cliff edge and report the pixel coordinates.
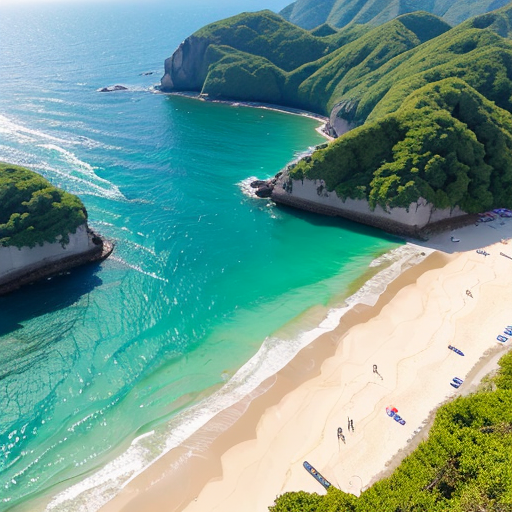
(43, 230)
(418, 220)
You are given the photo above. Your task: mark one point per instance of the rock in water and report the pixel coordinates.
(112, 88)
(265, 191)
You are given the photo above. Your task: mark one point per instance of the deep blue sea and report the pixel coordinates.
(208, 291)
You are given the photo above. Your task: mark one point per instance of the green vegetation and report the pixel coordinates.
(328, 81)
(339, 13)
(465, 465)
(261, 57)
(479, 56)
(446, 143)
(32, 211)
(267, 35)
(432, 102)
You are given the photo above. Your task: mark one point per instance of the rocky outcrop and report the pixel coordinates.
(418, 221)
(341, 118)
(187, 68)
(112, 88)
(20, 266)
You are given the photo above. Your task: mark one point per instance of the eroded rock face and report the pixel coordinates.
(186, 69)
(341, 118)
(417, 221)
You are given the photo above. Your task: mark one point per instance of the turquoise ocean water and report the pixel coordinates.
(107, 367)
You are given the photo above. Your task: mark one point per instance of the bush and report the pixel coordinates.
(32, 211)
(464, 466)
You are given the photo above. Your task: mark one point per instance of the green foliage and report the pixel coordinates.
(323, 30)
(32, 211)
(311, 13)
(446, 143)
(260, 57)
(465, 465)
(480, 57)
(298, 502)
(267, 35)
(335, 78)
(238, 75)
(449, 143)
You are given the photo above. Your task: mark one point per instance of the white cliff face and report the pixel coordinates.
(14, 261)
(418, 215)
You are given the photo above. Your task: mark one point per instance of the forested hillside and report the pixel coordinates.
(446, 143)
(465, 465)
(32, 211)
(432, 103)
(358, 72)
(261, 57)
(339, 13)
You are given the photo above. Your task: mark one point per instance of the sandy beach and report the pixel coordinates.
(456, 296)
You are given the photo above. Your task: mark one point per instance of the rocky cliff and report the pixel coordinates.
(417, 221)
(186, 69)
(20, 266)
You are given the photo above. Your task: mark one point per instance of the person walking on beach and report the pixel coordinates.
(352, 425)
(340, 434)
(469, 294)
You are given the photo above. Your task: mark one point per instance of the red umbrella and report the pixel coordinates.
(391, 411)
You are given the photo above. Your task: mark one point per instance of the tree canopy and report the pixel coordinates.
(446, 143)
(32, 211)
(339, 13)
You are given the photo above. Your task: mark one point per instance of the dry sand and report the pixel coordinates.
(297, 413)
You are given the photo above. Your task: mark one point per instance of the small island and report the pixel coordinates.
(43, 230)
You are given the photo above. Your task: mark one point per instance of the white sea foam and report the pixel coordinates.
(139, 269)
(85, 186)
(94, 491)
(79, 165)
(23, 134)
(245, 187)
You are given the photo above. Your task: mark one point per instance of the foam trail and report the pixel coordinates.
(22, 134)
(83, 167)
(138, 269)
(90, 188)
(96, 490)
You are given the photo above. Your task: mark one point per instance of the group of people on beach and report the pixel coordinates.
(349, 427)
(350, 422)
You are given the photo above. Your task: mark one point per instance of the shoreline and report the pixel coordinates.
(303, 367)
(264, 106)
(212, 468)
(242, 387)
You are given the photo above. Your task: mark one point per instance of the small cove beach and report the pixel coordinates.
(294, 415)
